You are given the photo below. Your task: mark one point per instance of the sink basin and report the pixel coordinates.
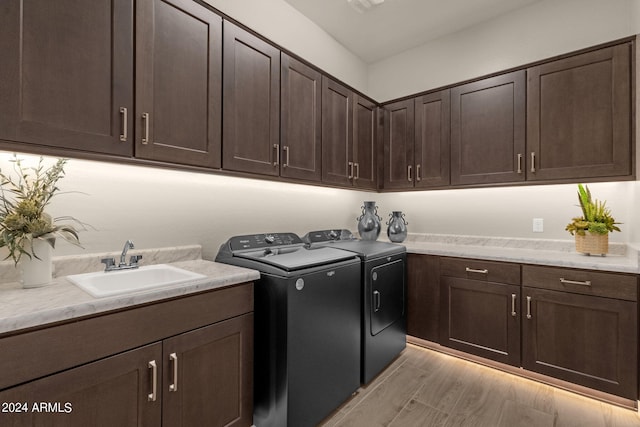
(103, 284)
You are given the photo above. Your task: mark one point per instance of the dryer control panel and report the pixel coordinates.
(328, 235)
(263, 240)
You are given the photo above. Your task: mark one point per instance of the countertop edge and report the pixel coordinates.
(63, 301)
(627, 263)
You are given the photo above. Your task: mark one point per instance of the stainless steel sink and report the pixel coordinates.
(102, 284)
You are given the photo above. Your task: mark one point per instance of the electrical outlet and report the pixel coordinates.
(538, 225)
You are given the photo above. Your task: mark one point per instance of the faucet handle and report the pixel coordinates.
(134, 259)
(109, 263)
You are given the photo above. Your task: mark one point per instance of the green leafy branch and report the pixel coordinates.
(23, 200)
(596, 216)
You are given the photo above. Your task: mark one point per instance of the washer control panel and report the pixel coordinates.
(263, 240)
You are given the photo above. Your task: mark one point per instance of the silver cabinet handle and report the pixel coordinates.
(145, 123)
(349, 170)
(376, 301)
(519, 163)
(513, 305)
(151, 397)
(276, 147)
(356, 167)
(409, 177)
(173, 358)
(418, 172)
(533, 161)
(123, 135)
(528, 307)
(574, 282)
(472, 270)
(285, 148)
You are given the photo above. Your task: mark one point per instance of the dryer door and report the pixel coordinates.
(386, 284)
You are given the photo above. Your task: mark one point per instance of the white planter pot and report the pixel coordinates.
(36, 272)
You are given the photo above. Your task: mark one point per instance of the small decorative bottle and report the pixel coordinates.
(369, 222)
(397, 230)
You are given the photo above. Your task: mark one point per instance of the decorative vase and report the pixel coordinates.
(397, 230)
(369, 222)
(36, 272)
(592, 243)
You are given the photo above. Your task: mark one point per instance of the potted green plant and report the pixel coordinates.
(26, 230)
(592, 229)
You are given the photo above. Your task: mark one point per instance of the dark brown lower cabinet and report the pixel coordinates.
(111, 392)
(481, 318)
(178, 363)
(573, 325)
(423, 296)
(208, 376)
(583, 339)
(479, 311)
(202, 377)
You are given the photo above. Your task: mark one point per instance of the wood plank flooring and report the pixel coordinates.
(426, 388)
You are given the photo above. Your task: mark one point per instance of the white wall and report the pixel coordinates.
(161, 207)
(541, 30)
(284, 25)
(509, 211)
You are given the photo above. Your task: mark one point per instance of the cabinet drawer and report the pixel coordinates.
(489, 271)
(609, 285)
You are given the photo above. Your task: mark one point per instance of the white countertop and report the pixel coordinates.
(24, 308)
(560, 253)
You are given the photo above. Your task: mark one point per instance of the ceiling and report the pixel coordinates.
(398, 25)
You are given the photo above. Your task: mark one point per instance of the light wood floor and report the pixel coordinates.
(426, 388)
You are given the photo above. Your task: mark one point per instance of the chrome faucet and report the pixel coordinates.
(110, 263)
(127, 245)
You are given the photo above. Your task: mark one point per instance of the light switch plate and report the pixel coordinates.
(538, 225)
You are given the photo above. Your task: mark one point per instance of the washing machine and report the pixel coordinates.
(306, 326)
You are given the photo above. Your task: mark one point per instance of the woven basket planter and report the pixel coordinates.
(592, 244)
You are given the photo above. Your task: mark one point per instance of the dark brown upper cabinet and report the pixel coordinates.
(301, 120)
(251, 103)
(178, 82)
(66, 78)
(348, 137)
(365, 146)
(417, 142)
(488, 130)
(399, 144)
(432, 139)
(579, 116)
(337, 133)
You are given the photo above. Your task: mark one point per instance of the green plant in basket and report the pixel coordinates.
(23, 199)
(596, 216)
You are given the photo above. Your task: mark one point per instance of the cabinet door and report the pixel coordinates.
(301, 117)
(116, 391)
(178, 82)
(488, 130)
(399, 144)
(481, 318)
(67, 73)
(579, 116)
(423, 296)
(432, 139)
(337, 133)
(364, 143)
(251, 103)
(208, 379)
(587, 340)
